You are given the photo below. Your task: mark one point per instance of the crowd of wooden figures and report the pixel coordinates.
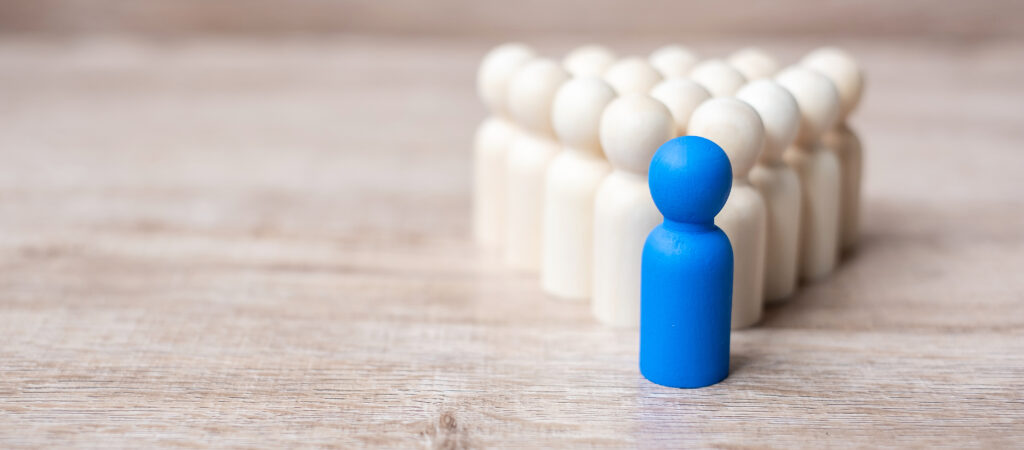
(561, 166)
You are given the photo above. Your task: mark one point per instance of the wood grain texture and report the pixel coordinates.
(265, 243)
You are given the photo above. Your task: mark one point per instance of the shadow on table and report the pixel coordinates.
(900, 246)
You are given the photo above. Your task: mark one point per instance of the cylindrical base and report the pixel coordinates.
(686, 306)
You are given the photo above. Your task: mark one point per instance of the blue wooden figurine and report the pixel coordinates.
(686, 280)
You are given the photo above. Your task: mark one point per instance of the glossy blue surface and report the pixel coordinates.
(686, 280)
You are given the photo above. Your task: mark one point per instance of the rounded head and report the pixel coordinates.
(690, 179)
(531, 91)
(632, 75)
(495, 71)
(576, 114)
(779, 114)
(682, 96)
(632, 128)
(754, 63)
(735, 127)
(817, 99)
(843, 71)
(588, 61)
(673, 61)
(718, 77)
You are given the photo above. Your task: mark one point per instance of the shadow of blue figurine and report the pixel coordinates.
(686, 276)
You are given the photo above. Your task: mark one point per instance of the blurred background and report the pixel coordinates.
(947, 19)
(320, 118)
(271, 115)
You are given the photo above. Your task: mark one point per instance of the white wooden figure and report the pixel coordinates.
(846, 75)
(673, 61)
(571, 186)
(588, 61)
(754, 63)
(682, 96)
(490, 148)
(778, 184)
(632, 128)
(818, 169)
(632, 75)
(531, 93)
(719, 77)
(737, 128)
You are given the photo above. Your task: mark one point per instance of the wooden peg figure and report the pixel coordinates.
(682, 96)
(719, 77)
(737, 129)
(778, 184)
(571, 186)
(687, 268)
(632, 128)
(490, 149)
(846, 75)
(818, 169)
(530, 95)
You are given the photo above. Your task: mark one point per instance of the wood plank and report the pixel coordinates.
(265, 243)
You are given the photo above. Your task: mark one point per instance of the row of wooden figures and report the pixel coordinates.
(561, 166)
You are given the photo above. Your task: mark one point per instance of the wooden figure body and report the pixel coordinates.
(840, 68)
(632, 128)
(778, 184)
(682, 96)
(571, 186)
(673, 61)
(818, 169)
(719, 77)
(687, 268)
(490, 148)
(737, 129)
(531, 93)
(845, 142)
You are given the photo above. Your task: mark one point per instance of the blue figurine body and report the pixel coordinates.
(686, 279)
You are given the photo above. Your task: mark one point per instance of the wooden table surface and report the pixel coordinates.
(265, 243)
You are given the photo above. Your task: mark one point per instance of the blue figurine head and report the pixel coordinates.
(690, 179)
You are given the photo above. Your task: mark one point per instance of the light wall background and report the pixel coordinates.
(943, 19)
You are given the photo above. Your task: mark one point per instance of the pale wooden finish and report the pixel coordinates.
(570, 188)
(719, 77)
(842, 70)
(632, 128)
(778, 184)
(753, 63)
(632, 75)
(267, 244)
(531, 93)
(589, 60)
(818, 168)
(491, 144)
(673, 61)
(739, 130)
(681, 96)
